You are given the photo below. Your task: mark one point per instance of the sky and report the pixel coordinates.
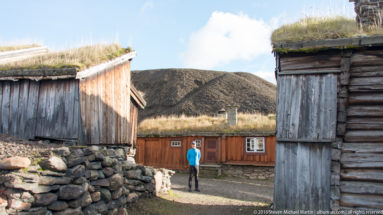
(223, 35)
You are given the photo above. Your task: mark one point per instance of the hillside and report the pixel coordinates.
(197, 92)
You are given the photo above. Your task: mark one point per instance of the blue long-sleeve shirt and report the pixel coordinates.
(193, 156)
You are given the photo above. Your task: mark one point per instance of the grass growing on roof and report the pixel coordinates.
(80, 58)
(319, 28)
(182, 124)
(17, 47)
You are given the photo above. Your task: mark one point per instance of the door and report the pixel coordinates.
(211, 150)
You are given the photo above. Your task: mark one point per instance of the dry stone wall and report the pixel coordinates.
(250, 172)
(77, 180)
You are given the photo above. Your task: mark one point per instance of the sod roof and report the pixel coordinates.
(322, 32)
(64, 62)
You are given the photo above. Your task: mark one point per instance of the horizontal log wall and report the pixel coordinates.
(48, 108)
(361, 176)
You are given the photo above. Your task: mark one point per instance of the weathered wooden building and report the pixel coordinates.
(169, 151)
(329, 150)
(97, 105)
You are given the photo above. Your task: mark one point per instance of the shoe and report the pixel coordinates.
(197, 190)
(190, 190)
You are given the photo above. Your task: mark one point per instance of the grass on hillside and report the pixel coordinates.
(81, 58)
(319, 28)
(182, 124)
(17, 47)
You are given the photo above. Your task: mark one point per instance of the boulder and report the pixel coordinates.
(108, 171)
(18, 204)
(108, 162)
(14, 163)
(44, 199)
(62, 151)
(101, 183)
(77, 171)
(96, 208)
(70, 211)
(117, 193)
(54, 163)
(36, 211)
(27, 197)
(74, 161)
(105, 195)
(94, 165)
(49, 180)
(58, 206)
(96, 196)
(116, 181)
(69, 192)
(32, 187)
(134, 174)
(83, 201)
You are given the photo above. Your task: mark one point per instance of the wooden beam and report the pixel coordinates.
(310, 72)
(302, 140)
(105, 66)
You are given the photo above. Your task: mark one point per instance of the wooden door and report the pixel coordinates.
(306, 127)
(211, 150)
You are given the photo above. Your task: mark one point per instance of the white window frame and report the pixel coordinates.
(256, 142)
(198, 143)
(175, 143)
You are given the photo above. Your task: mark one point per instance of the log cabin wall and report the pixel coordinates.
(361, 157)
(46, 108)
(314, 143)
(105, 106)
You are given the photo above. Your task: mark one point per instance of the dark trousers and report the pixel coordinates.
(193, 170)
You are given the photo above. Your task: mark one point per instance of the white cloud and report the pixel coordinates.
(146, 6)
(227, 37)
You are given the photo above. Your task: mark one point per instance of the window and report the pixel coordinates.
(198, 143)
(255, 144)
(175, 143)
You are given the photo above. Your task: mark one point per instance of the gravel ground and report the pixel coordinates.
(222, 196)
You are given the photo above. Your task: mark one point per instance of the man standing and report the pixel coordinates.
(193, 157)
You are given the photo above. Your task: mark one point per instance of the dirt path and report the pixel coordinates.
(217, 197)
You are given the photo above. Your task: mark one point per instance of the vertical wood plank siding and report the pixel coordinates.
(44, 108)
(306, 118)
(105, 106)
(157, 152)
(361, 182)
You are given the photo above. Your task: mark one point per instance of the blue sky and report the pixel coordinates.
(224, 35)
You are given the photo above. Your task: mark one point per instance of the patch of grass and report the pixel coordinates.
(17, 47)
(319, 28)
(80, 58)
(181, 124)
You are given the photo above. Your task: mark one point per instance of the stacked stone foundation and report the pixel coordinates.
(77, 180)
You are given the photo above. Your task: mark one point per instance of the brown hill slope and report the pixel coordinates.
(196, 92)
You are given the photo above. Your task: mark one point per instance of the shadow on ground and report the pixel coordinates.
(160, 206)
(217, 197)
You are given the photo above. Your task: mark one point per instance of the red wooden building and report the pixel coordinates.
(167, 151)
